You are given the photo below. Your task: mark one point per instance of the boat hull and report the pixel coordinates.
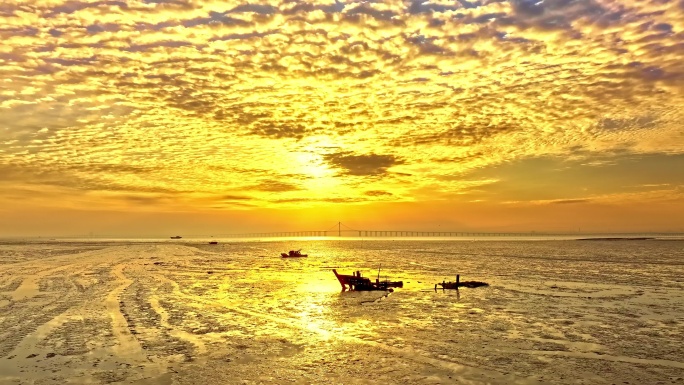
(293, 256)
(356, 282)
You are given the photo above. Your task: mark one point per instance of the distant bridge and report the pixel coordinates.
(339, 231)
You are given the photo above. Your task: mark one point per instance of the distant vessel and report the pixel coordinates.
(176, 237)
(294, 254)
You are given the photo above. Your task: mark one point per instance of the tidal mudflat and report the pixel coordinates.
(556, 312)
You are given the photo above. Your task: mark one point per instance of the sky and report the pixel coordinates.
(156, 117)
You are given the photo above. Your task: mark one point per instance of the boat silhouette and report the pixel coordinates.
(294, 254)
(356, 282)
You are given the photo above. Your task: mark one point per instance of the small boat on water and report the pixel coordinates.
(356, 282)
(176, 237)
(294, 254)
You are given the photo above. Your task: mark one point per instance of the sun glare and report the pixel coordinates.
(312, 165)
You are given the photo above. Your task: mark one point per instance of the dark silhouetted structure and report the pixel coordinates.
(356, 282)
(294, 254)
(457, 284)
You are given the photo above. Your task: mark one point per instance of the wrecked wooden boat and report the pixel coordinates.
(458, 283)
(356, 282)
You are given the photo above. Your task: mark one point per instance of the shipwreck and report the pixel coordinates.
(356, 282)
(458, 283)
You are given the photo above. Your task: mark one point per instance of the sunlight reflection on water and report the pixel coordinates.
(551, 310)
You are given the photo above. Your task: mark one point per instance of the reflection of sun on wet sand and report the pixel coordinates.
(182, 314)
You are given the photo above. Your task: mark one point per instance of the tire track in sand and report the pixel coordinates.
(29, 287)
(128, 345)
(180, 334)
(467, 374)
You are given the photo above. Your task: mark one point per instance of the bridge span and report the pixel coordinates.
(370, 233)
(349, 232)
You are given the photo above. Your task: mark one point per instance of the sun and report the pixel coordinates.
(311, 165)
(310, 161)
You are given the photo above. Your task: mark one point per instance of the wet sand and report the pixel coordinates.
(184, 313)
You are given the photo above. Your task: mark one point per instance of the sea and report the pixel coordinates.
(555, 310)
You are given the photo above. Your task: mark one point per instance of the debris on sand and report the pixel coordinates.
(458, 283)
